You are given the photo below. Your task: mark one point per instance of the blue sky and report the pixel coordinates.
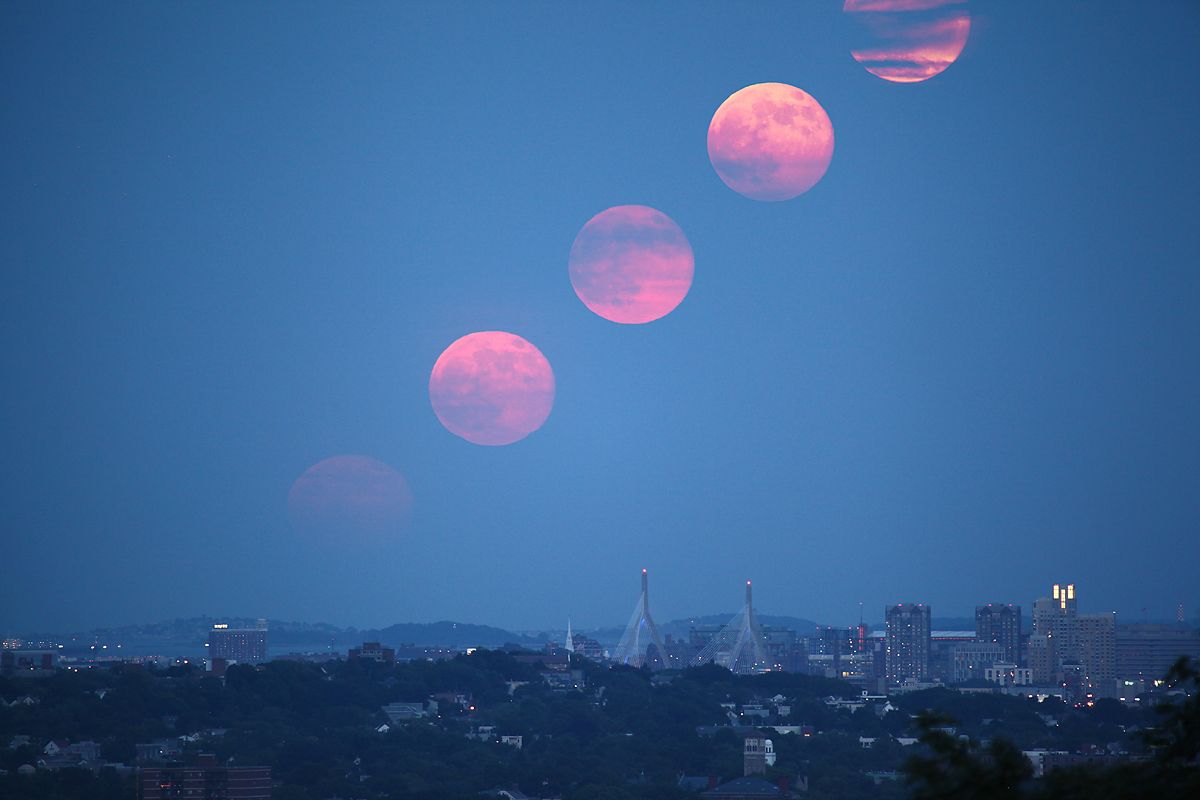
(236, 237)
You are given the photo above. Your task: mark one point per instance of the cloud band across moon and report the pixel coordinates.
(908, 41)
(631, 264)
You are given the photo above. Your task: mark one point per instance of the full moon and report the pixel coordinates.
(908, 41)
(492, 388)
(631, 264)
(350, 495)
(770, 141)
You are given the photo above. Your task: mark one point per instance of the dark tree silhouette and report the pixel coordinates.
(955, 769)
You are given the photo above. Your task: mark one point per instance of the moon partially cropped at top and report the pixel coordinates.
(492, 388)
(350, 495)
(631, 264)
(770, 141)
(908, 41)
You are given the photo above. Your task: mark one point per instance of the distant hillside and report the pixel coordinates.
(452, 634)
(184, 636)
(187, 637)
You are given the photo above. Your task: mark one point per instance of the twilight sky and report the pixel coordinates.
(236, 237)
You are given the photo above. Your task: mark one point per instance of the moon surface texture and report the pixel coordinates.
(492, 388)
(631, 264)
(908, 41)
(770, 141)
(350, 495)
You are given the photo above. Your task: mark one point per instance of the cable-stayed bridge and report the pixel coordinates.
(738, 646)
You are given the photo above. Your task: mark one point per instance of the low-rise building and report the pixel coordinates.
(158, 751)
(406, 712)
(59, 753)
(206, 780)
(13, 662)
(1008, 675)
(971, 659)
(746, 788)
(587, 647)
(483, 733)
(412, 652)
(373, 651)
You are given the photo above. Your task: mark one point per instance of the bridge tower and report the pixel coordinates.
(739, 645)
(640, 634)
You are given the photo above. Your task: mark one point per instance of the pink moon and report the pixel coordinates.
(350, 495)
(631, 264)
(492, 388)
(908, 41)
(770, 141)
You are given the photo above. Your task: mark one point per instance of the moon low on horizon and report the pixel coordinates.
(770, 141)
(908, 41)
(492, 388)
(350, 495)
(631, 264)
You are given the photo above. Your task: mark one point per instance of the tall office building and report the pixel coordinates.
(831, 648)
(1042, 659)
(241, 645)
(1145, 651)
(1000, 624)
(1096, 640)
(1058, 614)
(1057, 617)
(1062, 636)
(907, 642)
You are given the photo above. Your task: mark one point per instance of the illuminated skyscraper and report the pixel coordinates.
(1065, 595)
(1058, 615)
(1000, 624)
(907, 642)
(1062, 636)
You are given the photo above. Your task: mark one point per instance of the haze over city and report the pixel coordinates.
(957, 368)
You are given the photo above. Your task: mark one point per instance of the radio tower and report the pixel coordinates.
(738, 646)
(640, 633)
